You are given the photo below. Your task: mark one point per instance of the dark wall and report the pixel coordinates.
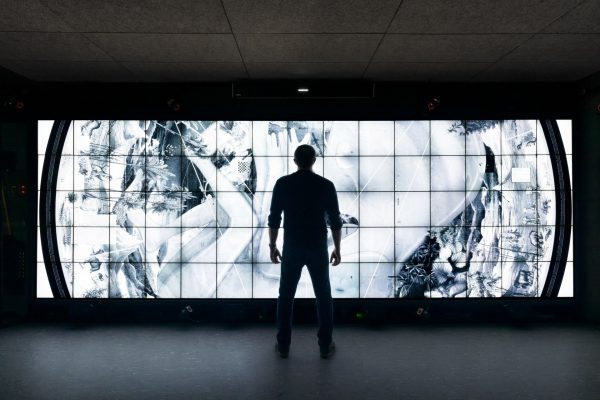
(327, 100)
(17, 190)
(272, 100)
(586, 142)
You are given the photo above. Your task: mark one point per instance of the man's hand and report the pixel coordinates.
(275, 254)
(335, 258)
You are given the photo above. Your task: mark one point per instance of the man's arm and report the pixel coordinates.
(274, 222)
(274, 251)
(335, 222)
(336, 255)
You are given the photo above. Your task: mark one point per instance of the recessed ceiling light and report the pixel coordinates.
(303, 90)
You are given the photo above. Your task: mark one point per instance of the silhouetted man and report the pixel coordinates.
(307, 201)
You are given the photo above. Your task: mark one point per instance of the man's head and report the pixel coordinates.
(305, 156)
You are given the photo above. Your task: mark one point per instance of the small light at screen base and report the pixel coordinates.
(303, 90)
(520, 175)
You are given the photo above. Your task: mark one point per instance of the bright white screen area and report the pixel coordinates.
(178, 209)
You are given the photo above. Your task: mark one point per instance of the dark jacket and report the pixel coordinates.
(309, 203)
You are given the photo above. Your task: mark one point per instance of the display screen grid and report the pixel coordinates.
(177, 209)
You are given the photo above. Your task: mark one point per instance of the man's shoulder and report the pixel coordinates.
(283, 178)
(283, 182)
(325, 182)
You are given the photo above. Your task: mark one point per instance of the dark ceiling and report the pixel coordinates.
(224, 40)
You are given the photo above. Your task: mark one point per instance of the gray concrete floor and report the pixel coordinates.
(111, 361)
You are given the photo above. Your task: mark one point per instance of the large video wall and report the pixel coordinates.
(178, 209)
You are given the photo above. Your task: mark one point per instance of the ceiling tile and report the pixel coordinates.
(29, 16)
(572, 48)
(585, 18)
(36, 46)
(307, 47)
(282, 70)
(477, 16)
(181, 16)
(436, 72)
(138, 47)
(186, 72)
(507, 71)
(316, 16)
(446, 48)
(70, 71)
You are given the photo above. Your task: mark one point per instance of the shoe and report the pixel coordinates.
(328, 350)
(283, 353)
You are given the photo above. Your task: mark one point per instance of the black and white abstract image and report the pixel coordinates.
(178, 209)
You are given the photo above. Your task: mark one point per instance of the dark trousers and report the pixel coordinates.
(293, 259)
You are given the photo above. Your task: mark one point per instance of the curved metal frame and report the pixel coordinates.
(47, 210)
(562, 191)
